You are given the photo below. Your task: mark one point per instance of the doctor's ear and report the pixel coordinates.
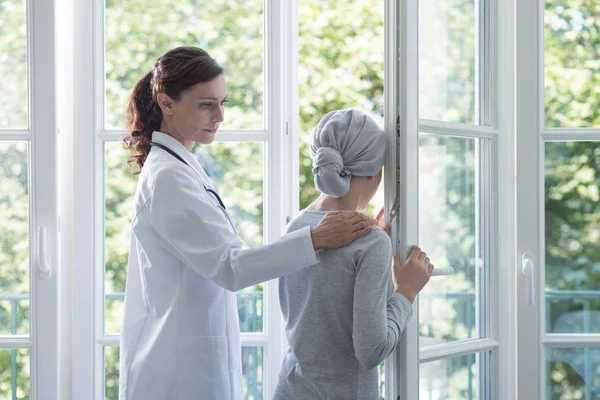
(165, 103)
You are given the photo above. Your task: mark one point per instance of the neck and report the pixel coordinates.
(169, 129)
(349, 202)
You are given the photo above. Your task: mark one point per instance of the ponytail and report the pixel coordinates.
(143, 116)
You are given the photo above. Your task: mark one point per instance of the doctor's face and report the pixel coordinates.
(196, 116)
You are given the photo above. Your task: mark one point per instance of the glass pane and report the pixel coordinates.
(571, 74)
(573, 373)
(14, 374)
(449, 379)
(572, 235)
(253, 370)
(138, 32)
(381, 385)
(13, 64)
(341, 46)
(14, 239)
(448, 60)
(237, 170)
(447, 232)
(111, 372)
(119, 187)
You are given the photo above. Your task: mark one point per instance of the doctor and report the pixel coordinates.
(180, 337)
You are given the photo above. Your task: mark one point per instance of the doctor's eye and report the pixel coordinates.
(224, 102)
(206, 106)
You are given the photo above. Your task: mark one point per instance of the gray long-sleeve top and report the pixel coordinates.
(341, 319)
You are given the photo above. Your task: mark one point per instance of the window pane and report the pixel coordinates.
(448, 60)
(447, 232)
(137, 32)
(449, 379)
(111, 372)
(119, 187)
(253, 369)
(13, 64)
(14, 239)
(237, 170)
(571, 73)
(14, 374)
(573, 373)
(381, 385)
(572, 226)
(341, 46)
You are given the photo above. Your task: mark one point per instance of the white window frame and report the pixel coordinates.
(533, 134)
(497, 128)
(40, 136)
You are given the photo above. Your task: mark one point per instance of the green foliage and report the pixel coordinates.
(340, 66)
(571, 64)
(137, 32)
(13, 64)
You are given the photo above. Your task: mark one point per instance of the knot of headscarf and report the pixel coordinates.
(345, 143)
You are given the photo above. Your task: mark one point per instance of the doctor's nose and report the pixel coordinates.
(218, 115)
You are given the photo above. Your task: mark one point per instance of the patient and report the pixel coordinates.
(345, 315)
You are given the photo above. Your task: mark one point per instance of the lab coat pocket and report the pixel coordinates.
(202, 368)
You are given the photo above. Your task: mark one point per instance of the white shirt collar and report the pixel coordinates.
(181, 151)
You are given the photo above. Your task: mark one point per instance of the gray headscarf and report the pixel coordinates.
(345, 143)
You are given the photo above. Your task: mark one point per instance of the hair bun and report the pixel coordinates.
(331, 177)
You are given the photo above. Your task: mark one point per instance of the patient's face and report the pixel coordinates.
(369, 189)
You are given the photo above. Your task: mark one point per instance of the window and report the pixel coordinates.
(558, 210)
(28, 213)
(450, 141)
(455, 181)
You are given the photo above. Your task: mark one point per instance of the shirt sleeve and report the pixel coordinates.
(378, 323)
(198, 233)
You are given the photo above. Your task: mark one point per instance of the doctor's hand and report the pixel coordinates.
(410, 277)
(338, 229)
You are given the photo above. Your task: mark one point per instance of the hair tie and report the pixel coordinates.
(136, 133)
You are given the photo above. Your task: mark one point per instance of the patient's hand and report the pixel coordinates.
(413, 275)
(380, 220)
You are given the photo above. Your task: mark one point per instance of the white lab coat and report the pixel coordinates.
(180, 337)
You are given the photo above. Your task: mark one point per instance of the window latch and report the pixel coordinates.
(394, 211)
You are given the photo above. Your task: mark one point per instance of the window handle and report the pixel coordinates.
(44, 264)
(527, 270)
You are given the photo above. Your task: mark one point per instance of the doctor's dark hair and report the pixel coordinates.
(174, 72)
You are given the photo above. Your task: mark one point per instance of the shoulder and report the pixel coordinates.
(374, 245)
(173, 182)
(376, 237)
(302, 220)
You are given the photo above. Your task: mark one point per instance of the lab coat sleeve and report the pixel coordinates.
(198, 233)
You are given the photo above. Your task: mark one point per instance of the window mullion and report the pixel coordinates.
(407, 72)
(79, 139)
(43, 290)
(277, 118)
(456, 349)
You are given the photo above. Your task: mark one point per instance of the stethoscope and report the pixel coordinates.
(168, 150)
